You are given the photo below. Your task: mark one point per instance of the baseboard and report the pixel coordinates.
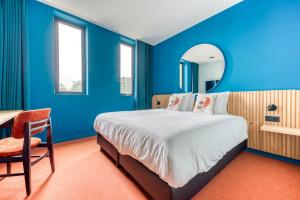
(270, 155)
(74, 138)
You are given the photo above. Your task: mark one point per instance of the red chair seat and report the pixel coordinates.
(13, 147)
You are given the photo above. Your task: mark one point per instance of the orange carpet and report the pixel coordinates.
(82, 172)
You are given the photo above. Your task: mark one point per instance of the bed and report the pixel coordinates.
(171, 154)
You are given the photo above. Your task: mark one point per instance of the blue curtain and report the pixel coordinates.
(195, 75)
(12, 53)
(187, 76)
(144, 76)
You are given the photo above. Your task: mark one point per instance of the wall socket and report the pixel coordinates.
(269, 118)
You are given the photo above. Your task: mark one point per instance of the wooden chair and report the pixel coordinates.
(18, 147)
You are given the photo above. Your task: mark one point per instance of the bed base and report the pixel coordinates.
(156, 187)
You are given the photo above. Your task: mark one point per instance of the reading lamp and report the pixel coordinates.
(272, 107)
(158, 104)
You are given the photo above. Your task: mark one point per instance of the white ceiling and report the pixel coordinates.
(202, 53)
(151, 21)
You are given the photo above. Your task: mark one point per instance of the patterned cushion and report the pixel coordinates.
(187, 102)
(13, 147)
(175, 102)
(205, 104)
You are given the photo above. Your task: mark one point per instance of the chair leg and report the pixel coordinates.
(27, 175)
(8, 168)
(27, 159)
(51, 157)
(50, 145)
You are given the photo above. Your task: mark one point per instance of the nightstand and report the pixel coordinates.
(281, 140)
(281, 129)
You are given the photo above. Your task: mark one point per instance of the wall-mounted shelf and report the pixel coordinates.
(281, 129)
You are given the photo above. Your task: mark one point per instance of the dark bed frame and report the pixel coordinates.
(156, 187)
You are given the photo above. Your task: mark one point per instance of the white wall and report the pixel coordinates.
(210, 71)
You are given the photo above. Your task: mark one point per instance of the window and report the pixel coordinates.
(69, 58)
(180, 75)
(126, 69)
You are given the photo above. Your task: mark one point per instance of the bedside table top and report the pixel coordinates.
(281, 129)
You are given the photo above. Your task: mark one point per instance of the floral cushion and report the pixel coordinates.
(175, 102)
(205, 104)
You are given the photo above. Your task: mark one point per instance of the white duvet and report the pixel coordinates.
(175, 145)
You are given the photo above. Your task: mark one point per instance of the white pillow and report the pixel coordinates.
(221, 102)
(205, 103)
(188, 101)
(175, 102)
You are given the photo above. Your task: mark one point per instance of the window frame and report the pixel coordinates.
(57, 21)
(132, 67)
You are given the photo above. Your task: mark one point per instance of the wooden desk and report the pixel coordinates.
(7, 116)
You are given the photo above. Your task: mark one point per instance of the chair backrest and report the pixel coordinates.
(18, 130)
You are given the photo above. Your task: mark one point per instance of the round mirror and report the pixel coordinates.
(201, 68)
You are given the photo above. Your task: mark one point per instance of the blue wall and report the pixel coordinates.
(260, 41)
(73, 115)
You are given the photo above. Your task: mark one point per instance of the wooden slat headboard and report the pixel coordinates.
(252, 106)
